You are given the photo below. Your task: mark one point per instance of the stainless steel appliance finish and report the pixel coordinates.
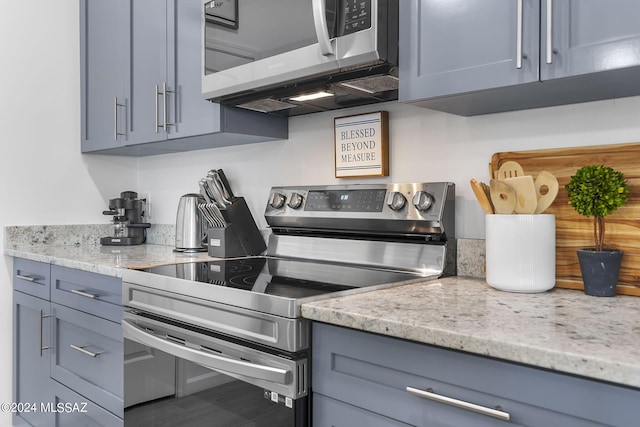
(190, 234)
(325, 241)
(262, 55)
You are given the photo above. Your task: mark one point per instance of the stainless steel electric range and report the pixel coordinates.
(230, 329)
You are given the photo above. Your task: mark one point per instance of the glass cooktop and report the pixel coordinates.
(281, 277)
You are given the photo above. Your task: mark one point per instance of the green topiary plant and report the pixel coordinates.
(597, 191)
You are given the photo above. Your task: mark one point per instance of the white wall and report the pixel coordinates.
(425, 146)
(45, 180)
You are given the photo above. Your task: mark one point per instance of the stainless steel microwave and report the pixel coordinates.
(293, 57)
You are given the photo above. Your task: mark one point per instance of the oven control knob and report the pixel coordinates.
(295, 201)
(422, 201)
(396, 200)
(277, 200)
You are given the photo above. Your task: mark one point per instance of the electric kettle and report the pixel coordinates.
(190, 227)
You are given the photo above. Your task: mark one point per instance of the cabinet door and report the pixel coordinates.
(588, 36)
(104, 58)
(149, 29)
(31, 379)
(192, 114)
(456, 47)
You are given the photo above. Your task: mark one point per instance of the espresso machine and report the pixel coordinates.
(128, 227)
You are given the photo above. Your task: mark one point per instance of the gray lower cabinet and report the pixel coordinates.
(31, 377)
(366, 379)
(155, 58)
(68, 346)
(472, 58)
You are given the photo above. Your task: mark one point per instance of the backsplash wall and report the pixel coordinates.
(424, 145)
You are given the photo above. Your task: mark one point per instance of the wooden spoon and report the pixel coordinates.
(546, 190)
(484, 201)
(510, 169)
(503, 197)
(525, 189)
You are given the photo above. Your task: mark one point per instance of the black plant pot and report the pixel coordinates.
(600, 271)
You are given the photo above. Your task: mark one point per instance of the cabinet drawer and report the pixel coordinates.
(76, 410)
(373, 372)
(31, 277)
(89, 292)
(88, 357)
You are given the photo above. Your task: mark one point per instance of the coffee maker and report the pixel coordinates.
(128, 212)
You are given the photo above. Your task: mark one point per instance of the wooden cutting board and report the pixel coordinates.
(574, 231)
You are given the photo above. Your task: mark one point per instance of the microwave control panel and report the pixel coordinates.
(357, 16)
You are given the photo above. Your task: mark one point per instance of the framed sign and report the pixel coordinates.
(362, 145)
(222, 12)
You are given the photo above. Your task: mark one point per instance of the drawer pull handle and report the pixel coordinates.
(81, 349)
(27, 278)
(84, 293)
(429, 394)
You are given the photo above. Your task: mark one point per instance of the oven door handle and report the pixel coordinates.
(212, 361)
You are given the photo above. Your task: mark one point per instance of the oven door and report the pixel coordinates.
(194, 377)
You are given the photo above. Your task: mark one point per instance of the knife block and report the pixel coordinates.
(240, 237)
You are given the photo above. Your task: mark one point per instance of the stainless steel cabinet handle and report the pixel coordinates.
(81, 349)
(41, 347)
(549, 31)
(322, 32)
(519, 36)
(157, 94)
(84, 293)
(165, 113)
(116, 104)
(27, 278)
(429, 394)
(165, 91)
(207, 359)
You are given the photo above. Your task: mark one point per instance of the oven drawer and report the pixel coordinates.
(74, 410)
(88, 357)
(392, 377)
(31, 277)
(92, 293)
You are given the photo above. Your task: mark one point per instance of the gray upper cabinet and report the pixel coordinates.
(161, 108)
(589, 36)
(466, 46)
(471, 58)
(104, 53)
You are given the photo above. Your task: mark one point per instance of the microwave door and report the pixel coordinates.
(275, 42)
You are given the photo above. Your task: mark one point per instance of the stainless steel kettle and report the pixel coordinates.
(190, 229)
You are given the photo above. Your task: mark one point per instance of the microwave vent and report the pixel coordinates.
(266, 105)
(373, 84)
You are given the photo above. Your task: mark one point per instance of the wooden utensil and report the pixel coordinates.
(526, 199)
(503, 197)
(484, 201)
(546, 190)
(487, 192)
(510, 169)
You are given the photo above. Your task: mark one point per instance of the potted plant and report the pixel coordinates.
(597, 191)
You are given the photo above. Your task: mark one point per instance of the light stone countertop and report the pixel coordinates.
(107, 260)
(563, 330)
